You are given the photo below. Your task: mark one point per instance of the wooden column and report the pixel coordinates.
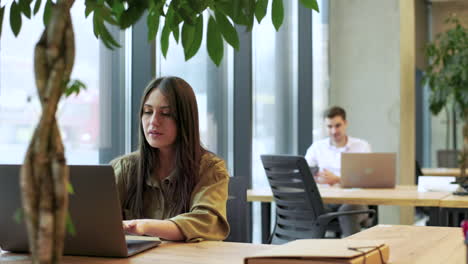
(407, 103)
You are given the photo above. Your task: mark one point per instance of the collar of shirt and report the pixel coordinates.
(156, 183)
(345, 148)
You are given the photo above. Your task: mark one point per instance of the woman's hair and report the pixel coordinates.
(184, 111)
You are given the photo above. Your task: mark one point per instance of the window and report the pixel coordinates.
(320, 68)
(274, 90)
(275, 85)
(211, 85)
(78, 116)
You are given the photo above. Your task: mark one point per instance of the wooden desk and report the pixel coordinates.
(408, 244)
(454, 172)
(167, 253)
(453, 209)
(454, 201)
(403, 195)
(419, 244)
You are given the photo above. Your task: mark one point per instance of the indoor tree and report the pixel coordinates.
(44, 174)
(447, 76)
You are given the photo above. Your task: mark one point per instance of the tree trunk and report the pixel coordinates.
(44, 175)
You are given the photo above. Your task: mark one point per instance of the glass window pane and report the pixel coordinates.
(274, 58)
(19, 106)
(211, 85)
(320, 68)
(274, 90)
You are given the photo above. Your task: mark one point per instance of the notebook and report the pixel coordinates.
(322, 251)
(437, 184)
(368, 170)
(94, 209)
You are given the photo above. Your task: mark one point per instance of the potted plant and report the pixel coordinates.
(44, 175)
(447, 76)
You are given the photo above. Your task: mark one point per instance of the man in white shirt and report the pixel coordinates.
(326, 154)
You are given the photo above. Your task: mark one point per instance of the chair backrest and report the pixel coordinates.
(239, 211)
(448, 158)
(417, 172)
(297, 198)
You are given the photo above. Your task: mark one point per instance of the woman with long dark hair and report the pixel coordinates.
(171, 187)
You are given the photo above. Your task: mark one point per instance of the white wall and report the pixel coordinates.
(365, 68)
(365, 75)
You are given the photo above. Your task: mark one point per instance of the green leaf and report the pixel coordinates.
(249, 11)
(169, 19)
(214, 42)
(18, 216)
(25, 7)
(165, 40)
(198, 5)
(70, 188)
(132, 14)
(101, 31)
(72, 87)
(228, 30)
(107, 15)
(37, 6)
(15, 18)
(153, 23)
(312, 4)
(95, 26)
(188, 31)
(2, 12)
(90, 6)
(187, 14)
(277, 13)
(47, 12)
(261, 9)
(176, 33)
(118, 8)
(197, 39)
(69, 225)
(172, 22)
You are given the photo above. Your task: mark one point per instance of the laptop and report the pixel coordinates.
(368, 170)
(94, 209)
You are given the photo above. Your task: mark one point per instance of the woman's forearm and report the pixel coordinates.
(164, 229)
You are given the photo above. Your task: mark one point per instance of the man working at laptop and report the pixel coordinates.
(326, 154)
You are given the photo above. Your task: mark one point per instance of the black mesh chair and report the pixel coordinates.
(299, 208)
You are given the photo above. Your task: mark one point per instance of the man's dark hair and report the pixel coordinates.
(335, 111)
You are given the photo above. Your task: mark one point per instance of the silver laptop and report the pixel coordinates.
(368, 170)
(94, 208)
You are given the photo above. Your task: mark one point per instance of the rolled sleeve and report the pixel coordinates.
(207, 217)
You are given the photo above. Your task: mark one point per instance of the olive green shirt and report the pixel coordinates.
(206, 219)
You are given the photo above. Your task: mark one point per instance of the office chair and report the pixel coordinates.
(238, 211)
(299, 208)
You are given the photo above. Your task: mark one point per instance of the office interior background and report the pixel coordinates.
(268, 98)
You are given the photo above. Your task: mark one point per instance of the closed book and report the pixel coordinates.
(324, 251)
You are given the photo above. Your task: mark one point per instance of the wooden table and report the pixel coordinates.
(402, 195)
(408, 244)
(453, 209)
(167, 253)
(454, 201)
(454, 172)
(419, 244)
